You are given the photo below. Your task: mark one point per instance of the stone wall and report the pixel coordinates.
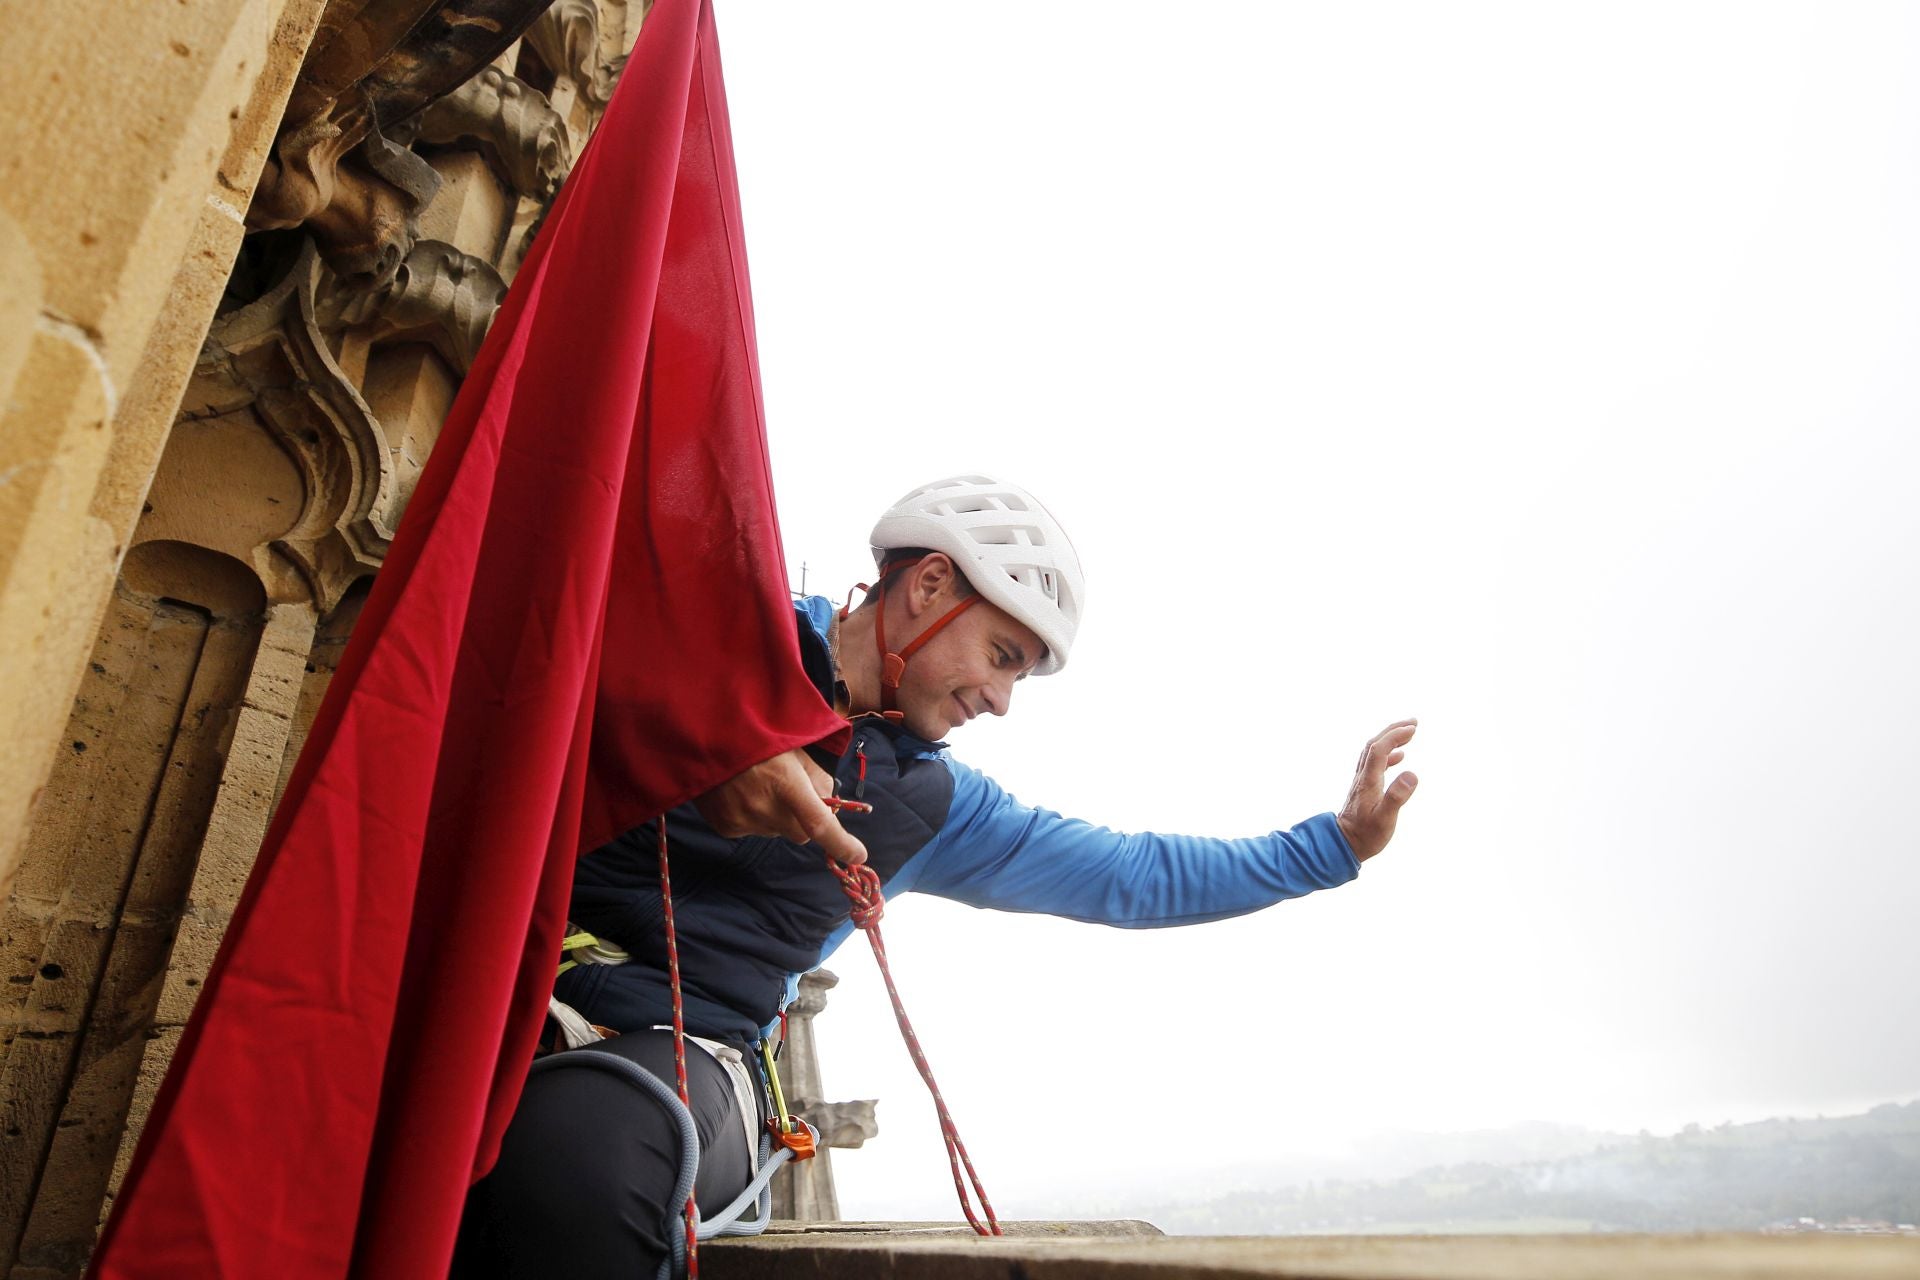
(250, 248)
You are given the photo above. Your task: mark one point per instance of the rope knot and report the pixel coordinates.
(862, 888)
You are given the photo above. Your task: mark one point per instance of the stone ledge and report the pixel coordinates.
(1128, 1228)
(1096, 1251)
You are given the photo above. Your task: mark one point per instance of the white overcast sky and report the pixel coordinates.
(1544, 371)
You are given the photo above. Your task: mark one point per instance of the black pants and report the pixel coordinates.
(586, 1167)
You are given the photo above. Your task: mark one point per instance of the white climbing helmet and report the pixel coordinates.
(1010, 548)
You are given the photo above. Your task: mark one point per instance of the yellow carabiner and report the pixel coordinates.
(773, 1084)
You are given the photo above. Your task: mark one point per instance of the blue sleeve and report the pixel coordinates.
(996, 852)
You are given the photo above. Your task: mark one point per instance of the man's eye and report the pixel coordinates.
(1001, 657)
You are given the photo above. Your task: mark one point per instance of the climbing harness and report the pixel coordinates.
(793, 1137)
(786, 1137)
(730, 1221)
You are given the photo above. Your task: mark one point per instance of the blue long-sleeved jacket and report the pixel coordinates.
(752, 914)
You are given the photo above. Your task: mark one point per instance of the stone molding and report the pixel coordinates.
(372, 66)
(273, 357)
(567, 38)
(439, 295)
(520, 128)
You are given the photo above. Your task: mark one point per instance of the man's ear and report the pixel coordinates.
(926, 580)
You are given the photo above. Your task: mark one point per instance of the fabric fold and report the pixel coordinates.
(582, 622)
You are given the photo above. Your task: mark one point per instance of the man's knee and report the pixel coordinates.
(585, 1171)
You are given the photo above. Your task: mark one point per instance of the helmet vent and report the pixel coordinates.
(972, 504)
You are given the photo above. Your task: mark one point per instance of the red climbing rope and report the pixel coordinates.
(862, 887)
(679, 1038)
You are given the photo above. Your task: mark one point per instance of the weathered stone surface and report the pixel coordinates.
(235, 825)
(374, 64)
(150, 732)
(525, 135)
(567, 38)
(126, 203)
(268, 367)
(52, 440)
(329, 642)
(912, 1252)
(110, 218)
(238, 818)
(472, 211)
(19, 297)
(840, 1124)
(439, 295)
(410, 387)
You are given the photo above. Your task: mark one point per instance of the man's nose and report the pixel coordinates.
(999, 696)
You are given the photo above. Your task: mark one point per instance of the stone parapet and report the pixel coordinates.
(1113, 1251)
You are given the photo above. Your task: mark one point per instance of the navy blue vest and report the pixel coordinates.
(751, 911)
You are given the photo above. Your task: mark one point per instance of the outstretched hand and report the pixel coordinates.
(781, 797)
(1373, 806)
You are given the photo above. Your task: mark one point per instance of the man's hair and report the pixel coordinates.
(912, 555)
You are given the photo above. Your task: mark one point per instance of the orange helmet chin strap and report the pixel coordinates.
(893, 666)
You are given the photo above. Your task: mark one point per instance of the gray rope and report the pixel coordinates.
(730, 1221)
(675, 1263)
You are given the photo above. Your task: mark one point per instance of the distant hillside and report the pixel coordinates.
(1734, 1177)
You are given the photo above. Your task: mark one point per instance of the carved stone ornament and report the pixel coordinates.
(841, 1124)
(270, 359)
(514, 119)
(811, 998)
(439, 295)
(567, 38)
(372, 65)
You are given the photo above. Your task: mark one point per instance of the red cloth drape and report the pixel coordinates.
(582, 622)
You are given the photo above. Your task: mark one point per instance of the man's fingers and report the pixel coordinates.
(840, 844)
(819, 824)
(1402, 789)
(820, 779)
(1382, 752)
(824, 829)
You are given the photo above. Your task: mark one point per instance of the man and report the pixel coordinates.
(978, 589)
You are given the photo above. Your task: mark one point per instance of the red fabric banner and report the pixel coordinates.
(582, 622)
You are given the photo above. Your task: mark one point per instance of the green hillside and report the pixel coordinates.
(1735, 1177)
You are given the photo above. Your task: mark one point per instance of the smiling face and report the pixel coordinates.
(969, 665)
(969, 668)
